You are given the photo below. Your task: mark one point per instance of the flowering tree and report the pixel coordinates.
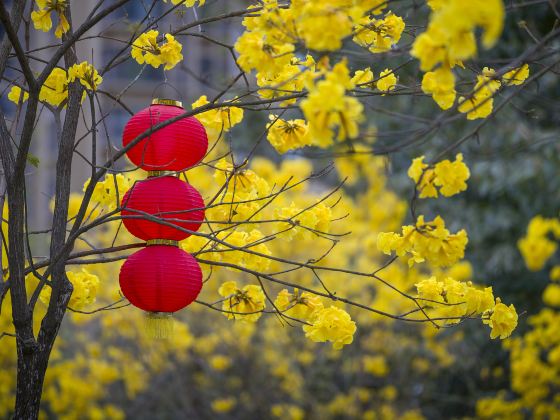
(283, 230)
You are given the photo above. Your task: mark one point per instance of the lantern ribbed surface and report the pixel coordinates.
(175, 147)
(167, 198)
(160, 278)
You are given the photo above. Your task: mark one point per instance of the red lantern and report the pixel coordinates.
(167, 198)
(175, 147)
(160, 278)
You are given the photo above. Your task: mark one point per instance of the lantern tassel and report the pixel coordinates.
(159, 325)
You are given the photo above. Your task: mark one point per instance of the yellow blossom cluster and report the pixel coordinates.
(331, 324)
(426, 241)
(238, 248)
(387, 81)
(243, 194)
(224, 405)
(86, 74)
(268, 46)
(319, 25)
(109, 193)
(481, 102)
(55, 89)
(285, 135)
(453, 300)
(302, 306)
(145, 49)
(328, 108)
(516, 76)
(440, 83)
(302, 223)
(450, 40)
(285, 81)
(450, 37)
(502, 319)
(376, 365)
(85, 284)
(17, 95)
(217, 121)
(537, 247)
(245, 304)
(534, 358)
(42, 17)
(187, 3)
(379, 35)
(445, 177)
(363, 78)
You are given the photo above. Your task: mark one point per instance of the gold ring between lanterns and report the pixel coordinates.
(164, 101)
(154, 174)
(168, 242)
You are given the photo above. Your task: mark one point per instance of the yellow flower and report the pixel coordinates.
(250, 301)
(331, 324)
(256, 51)
(300, 306)
(502, 320)
(187, 3)
(42, 18)
(327, 108)
(300, 223)
(450, 37)
(451, 177)
(376, 365)
(287, 135)
(219, 362)
(323, 27)
(446, 178)
(145, 49)
(55, 89)
(551, 295)
(363, 78)
(224, 405)
(287, 412)
(387, 81)
(109, 192)
(86, 74)
(379, 35)
(481, 102)
(286, 81)
(478, 300)
(429, 241)
(85, 285)
(516, 76)
(555, 273)
(431, 290)
(536, 251)
(218, 121)
(440, 83)
(15, 95)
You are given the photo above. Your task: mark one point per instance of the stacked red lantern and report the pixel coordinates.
(162, 210)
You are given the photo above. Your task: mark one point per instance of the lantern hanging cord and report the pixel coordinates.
(162, 101)
(168, 242)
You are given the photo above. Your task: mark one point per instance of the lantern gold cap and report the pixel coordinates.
(164, 101)
(157, 174)
(168, 242)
